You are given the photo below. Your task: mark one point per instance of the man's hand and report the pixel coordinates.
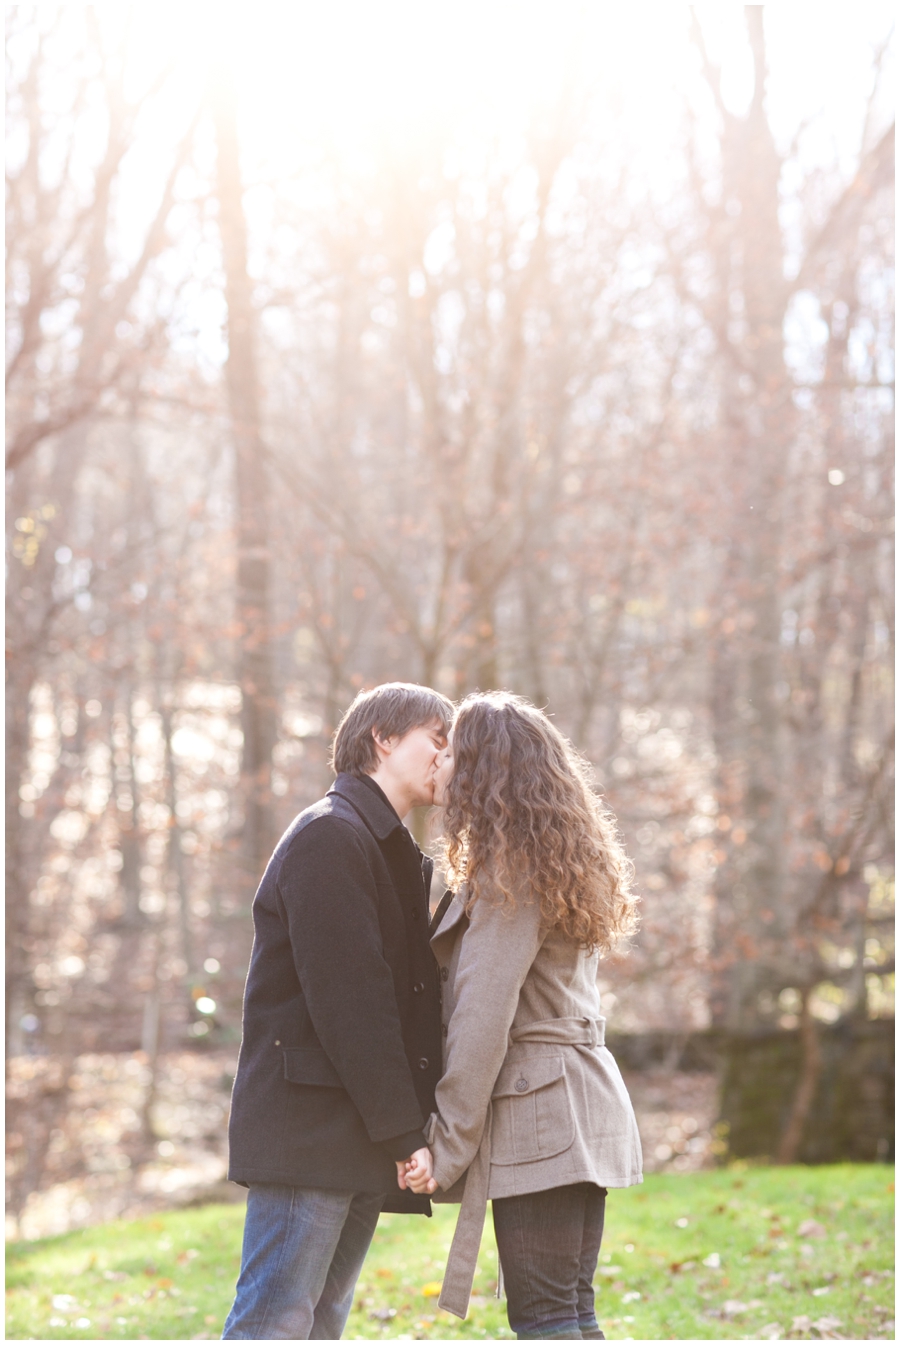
(415, 1173)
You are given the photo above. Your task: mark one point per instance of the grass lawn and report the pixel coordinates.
(730, 1255)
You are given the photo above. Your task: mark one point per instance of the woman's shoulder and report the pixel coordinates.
(510, 923)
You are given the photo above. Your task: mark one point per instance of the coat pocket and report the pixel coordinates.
(310, 1065)
(532, 1111)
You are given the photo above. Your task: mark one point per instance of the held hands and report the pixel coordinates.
(415, 1173)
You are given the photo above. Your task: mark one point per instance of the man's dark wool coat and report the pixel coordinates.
(341, 1047)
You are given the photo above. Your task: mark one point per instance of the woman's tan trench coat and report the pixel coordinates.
(530, 1098)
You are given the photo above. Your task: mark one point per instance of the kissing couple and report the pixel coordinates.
(388, 1058)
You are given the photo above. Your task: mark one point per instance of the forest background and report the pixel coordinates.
(478, 346)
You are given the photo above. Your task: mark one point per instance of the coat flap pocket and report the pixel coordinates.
(520, 1077)
(310, 1064)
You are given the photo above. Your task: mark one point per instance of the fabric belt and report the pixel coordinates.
(456, 1290)
(590, 1032)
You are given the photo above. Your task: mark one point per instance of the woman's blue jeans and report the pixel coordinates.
(303, 1251)
(548, 1244)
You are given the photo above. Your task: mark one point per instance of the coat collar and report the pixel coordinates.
(378, 815)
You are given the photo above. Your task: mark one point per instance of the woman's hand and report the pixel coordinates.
(416, 1173)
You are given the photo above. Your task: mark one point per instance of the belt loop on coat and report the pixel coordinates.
(598, 1031)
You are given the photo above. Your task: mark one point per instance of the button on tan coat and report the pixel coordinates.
(530, 1098)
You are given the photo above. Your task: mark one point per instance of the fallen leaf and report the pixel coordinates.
(714, 1260)
(432, 1288)
(732, 1307)
(771, 1331)
(384, 1273)
(827, 1327)
(811, 1228)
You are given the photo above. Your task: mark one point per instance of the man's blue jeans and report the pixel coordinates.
(303, 1251)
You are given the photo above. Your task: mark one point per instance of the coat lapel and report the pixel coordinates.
(454, 912)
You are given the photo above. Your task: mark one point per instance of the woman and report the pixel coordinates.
(532, 1112)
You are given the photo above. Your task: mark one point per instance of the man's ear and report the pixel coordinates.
(383, 746)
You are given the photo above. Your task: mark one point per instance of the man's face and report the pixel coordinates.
(443, 773)
(411, 762)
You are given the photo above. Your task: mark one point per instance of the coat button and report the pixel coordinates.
(418, 988)
(521, 1085)
(445, 972)
(278, 1043)
(423, 1063)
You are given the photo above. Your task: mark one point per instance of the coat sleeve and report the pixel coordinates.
(497, 952)
(328, 900)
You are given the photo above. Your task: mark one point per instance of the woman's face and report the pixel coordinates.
(443, 773)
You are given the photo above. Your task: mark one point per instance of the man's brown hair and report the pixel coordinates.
(392, 710)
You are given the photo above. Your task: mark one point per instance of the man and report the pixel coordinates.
(341, 1047)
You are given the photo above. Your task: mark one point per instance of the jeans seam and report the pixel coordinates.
(520, 1233)
(272, 1280)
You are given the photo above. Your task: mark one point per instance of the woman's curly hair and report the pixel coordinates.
(521, 814)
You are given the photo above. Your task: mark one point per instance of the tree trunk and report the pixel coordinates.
(175, 856)
(17, 896)
(255, 664)
(810, 1072)
(745, 712)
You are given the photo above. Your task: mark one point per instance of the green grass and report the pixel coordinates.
(172, 1277)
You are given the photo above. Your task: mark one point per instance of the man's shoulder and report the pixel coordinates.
(325, 840)
(325, 815)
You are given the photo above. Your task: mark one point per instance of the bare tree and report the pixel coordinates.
(258, 713)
